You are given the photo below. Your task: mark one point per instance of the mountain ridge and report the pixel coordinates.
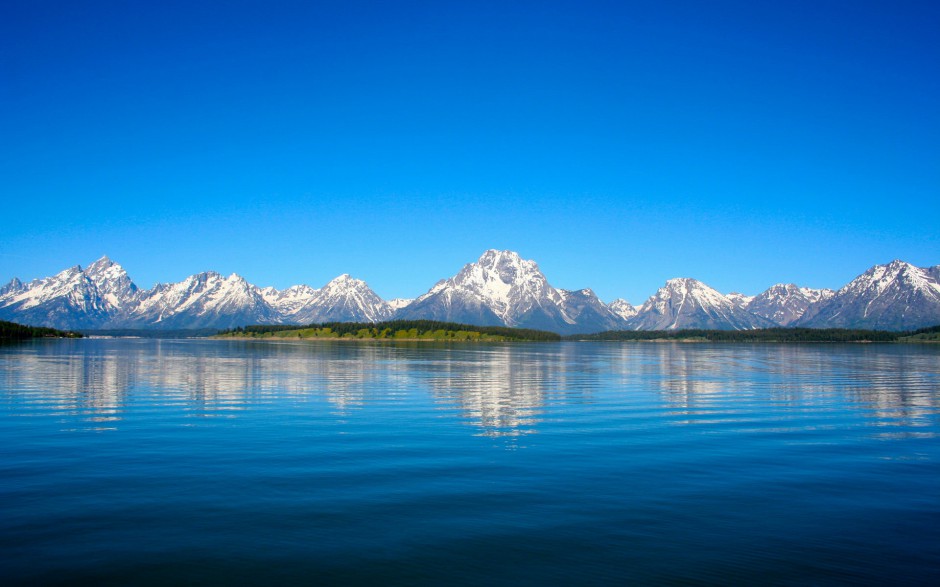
(498, 289)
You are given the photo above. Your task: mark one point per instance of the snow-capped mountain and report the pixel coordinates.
(344, 299)
(204, 300)
(399, 303)
(622, 308)
(588, 312)
(74, 298)
(785, 303)
(688, 303)
(501, 288)
(103, 296)
(114, 285)
(896, 296)
(290, 300)
(739, 299)
(14, 286)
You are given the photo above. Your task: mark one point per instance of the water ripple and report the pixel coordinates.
(230, 461)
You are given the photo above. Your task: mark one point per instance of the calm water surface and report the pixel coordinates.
(223, 462)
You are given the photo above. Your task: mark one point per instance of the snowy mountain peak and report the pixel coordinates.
(101, 264)
(502, 288)
(15, 285)
(898, 264)
(882, 277)
(345, 280)
(622, 308)
(691, 288)
(894, 296)
(69, 299)
(203, 277)
(494, 257)
(399, 303)
(739, 299)
(681, 282)
(113, 285)
(785, 303)
(499, 281)
(344, 298)
(688, 303)
(499, 277)
(203, 300)
(69, 273)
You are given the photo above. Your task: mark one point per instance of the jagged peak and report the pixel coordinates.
(299, 288)
(203, 277)
(792, 289)
(686, 287)
(623, 308)
(14, 285)
(895, 267)
(496, 255)
(345, 280)
(70, 272)
(494, 260)
(503, 264)
(681, 281)
(399, 303)
(739, 298)
(880, 276)
(104, 266)
(104, 260)
(685, 284)
(898, 264)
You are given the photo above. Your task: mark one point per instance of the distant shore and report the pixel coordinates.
(905, 340)
(434, 331)
(441, 331)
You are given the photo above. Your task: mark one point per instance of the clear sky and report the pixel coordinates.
(618, 144)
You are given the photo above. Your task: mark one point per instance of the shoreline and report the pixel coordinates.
(476, 341)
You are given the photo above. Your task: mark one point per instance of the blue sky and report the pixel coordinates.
(618, 144)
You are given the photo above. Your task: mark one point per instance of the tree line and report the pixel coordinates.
(14, 331)
(391, 328)
(766, 335)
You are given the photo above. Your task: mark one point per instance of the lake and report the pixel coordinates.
(132, 461)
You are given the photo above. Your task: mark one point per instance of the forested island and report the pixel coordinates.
(432, 330)
(450, 331)
(392, 330)
(931, 334)
(14, 331)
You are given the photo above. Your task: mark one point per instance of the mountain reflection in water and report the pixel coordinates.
(501, 389)
(223, 462)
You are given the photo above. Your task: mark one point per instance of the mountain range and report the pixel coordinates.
(500, 288)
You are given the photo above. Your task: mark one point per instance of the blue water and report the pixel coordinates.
(222, 462)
